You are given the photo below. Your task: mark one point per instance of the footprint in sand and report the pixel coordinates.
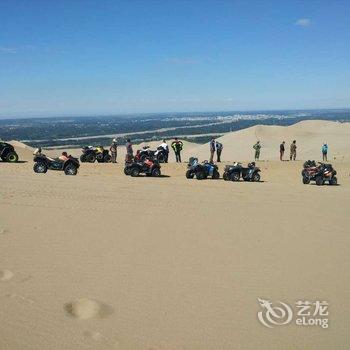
(84, 309)
(93, 335)
(6, 275)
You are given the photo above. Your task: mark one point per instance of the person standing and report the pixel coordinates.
(257, 148)
(177, 146)
(165, 148)
(293, 150)
(113, 150)
(219, 148)
(212, 150)
(282, 149)
(129, 151)
(324, 152)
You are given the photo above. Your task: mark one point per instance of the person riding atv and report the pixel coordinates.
(8, 153)
(91, 154)
(201, 171)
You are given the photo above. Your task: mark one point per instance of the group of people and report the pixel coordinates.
(215, 146)
(293, 150)
(176, 145)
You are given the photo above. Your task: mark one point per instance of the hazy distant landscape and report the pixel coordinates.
(196, 127)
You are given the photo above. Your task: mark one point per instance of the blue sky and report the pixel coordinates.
(102, 57)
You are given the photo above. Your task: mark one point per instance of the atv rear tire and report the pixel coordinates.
(71, 170)
(91, 158)
(333, 181)
(189, 174)
(224, 176)
(216, 175)
(12, 157)
(156, 172)
(135, 172)
(256, 177)
(306, 180)
(161, 158)
(40, 168)
(319, 181)
(107, 159)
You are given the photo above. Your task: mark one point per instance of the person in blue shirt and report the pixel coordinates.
(324, 152)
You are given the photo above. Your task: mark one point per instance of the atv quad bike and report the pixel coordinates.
(43, 164)
(8, 153)
(321, 174)
(201, 171)
(149, 167)
(91, 154)
(236, 171)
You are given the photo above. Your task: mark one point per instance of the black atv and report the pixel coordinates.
(237, 171)
(91, 154)
(160, 154)
(201, 170)
(321, 174)
(43, 164)
(8, 153)
(150, 167)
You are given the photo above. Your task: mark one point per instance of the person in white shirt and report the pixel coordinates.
(165, 147)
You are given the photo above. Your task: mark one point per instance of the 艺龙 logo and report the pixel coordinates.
(307, 313)
(272, 316)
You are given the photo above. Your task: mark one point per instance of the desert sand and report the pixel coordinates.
(106, 261)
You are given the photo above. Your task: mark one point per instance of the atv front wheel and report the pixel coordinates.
(224, 176)
(156, 172)
(71, 170)
(306, 180)
(319, 181)
(135, 172)
(83, 158)
(333, 181)
(256, 177)
(189, 174)
(12, 157)
(127, 170)
(40, 168)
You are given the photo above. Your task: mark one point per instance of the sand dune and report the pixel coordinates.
(105, 261)
(310, 135)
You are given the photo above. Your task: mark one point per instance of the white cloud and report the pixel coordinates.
(8, 49)
(303, 22)
(177, 60)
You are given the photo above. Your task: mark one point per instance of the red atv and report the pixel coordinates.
(150, 167)
(320, 173)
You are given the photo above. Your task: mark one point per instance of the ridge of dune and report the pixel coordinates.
(309, 134)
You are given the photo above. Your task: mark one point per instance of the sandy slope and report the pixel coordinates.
(310, 135)
(105, 261)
